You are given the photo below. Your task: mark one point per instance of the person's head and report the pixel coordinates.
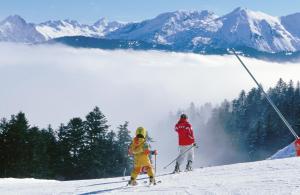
(183, 116)
(140, 132)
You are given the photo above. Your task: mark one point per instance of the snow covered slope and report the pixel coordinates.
(288, 151)
(16, 29)
(263, 177)
(61, 28)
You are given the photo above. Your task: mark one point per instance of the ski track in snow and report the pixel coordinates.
(263, 177)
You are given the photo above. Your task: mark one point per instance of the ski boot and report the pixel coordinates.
(152, 181)
(177, 168)
(132, 182)
(189, 166)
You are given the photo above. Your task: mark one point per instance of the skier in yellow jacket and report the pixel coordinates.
(141, 151)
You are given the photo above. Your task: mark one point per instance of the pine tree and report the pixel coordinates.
(65, 165)
(96, 129)
(71, 138)
(52, 152)
(124, 140)
(112, 156)
(40, 155)
(3, 168)
(76, 133)
(253, 142)
(16, 147)
(296, 108)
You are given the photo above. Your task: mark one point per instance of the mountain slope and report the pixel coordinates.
(61, 28)
(263, 177)
(100, 43)
(257, 30)
(16, 29)
(170, 28)
(292, 23)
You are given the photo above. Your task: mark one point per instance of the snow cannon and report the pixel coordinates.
(297, 147)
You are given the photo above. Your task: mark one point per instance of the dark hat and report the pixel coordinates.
(183, 116)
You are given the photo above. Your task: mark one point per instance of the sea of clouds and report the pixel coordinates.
(52, 84)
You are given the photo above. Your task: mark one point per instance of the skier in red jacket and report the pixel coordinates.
(186, 143)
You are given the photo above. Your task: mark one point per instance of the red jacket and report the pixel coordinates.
(185, 132)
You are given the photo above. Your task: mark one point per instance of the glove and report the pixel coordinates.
(154, 152)
(130, 153)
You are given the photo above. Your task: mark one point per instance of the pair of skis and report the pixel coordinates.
(178, 172)
(146, 183)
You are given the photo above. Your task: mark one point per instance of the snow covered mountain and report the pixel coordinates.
(263, 177)
(16, 29)
(173, 28)
(257, 30)
(193, 31)
(62, 28)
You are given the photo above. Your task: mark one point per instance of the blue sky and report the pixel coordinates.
(88, 11)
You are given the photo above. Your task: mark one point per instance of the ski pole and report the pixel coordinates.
(179, 156)
(155, 162)
(268, 98)
(124, 173)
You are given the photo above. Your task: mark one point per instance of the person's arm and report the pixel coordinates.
(146, 149)
(135, 150)
(130, 150)
(176, 128)
(191, 133)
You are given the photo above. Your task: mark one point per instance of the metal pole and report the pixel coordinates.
(178, 157)
(268, 98)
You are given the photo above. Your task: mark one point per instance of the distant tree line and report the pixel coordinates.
(252, 125)
(80, 149)
(247, 128)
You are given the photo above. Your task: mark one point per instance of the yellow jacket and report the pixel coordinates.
(140, 150)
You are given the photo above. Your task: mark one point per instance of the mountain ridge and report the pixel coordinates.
(187, 31)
